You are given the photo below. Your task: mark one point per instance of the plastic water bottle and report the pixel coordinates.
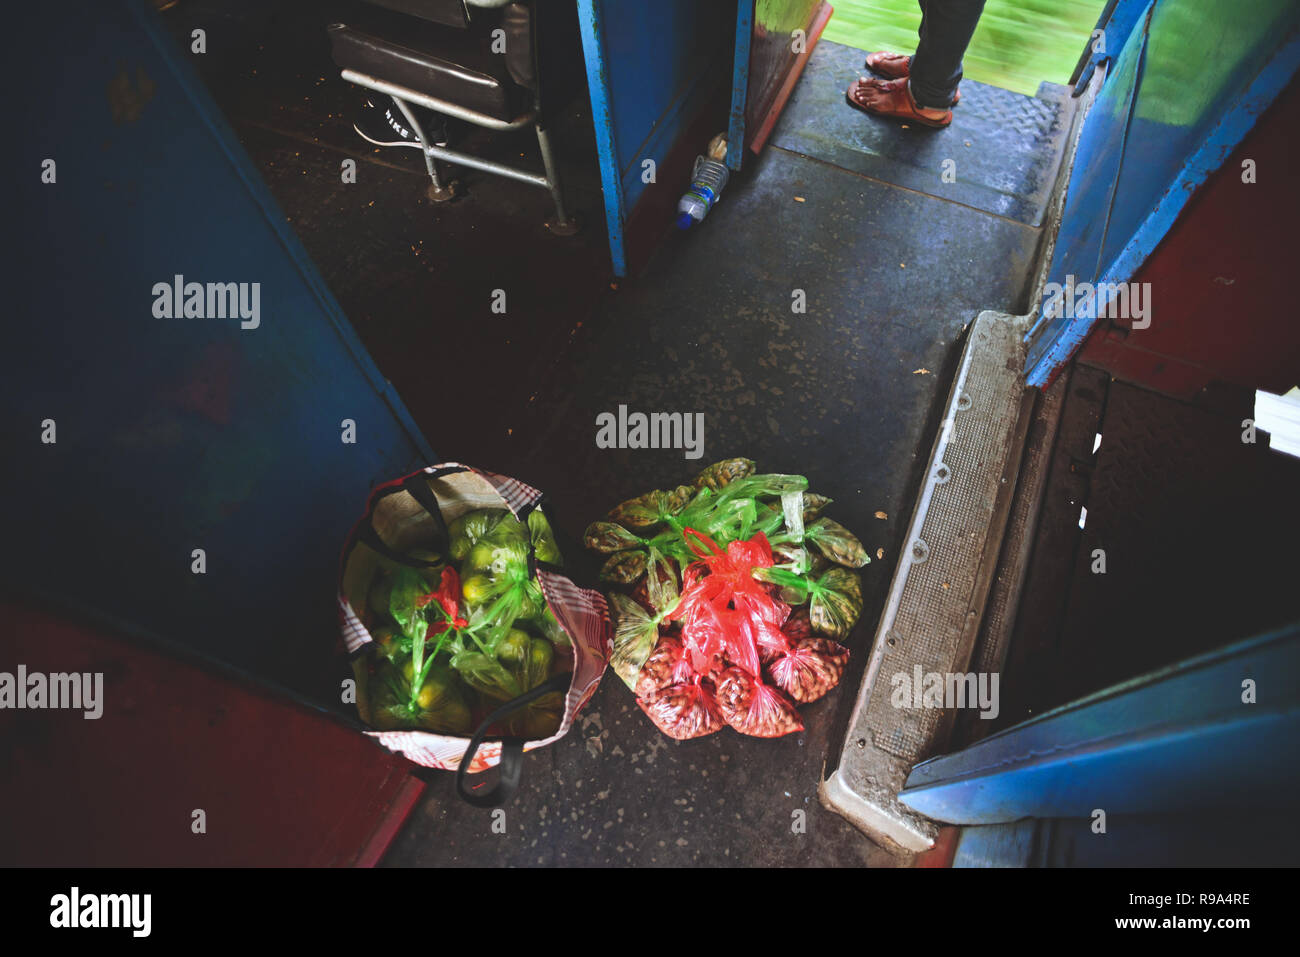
(707, 180)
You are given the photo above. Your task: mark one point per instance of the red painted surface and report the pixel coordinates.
(944, 850)
(1222, 303)
(280, 785)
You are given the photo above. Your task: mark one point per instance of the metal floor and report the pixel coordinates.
(848, 392)
(1002, 149)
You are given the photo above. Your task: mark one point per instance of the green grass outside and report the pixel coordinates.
(1018, 44)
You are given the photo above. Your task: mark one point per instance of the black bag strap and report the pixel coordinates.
(512, 749)
(417, 487)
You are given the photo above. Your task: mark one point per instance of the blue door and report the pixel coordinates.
(191, 424)
(1183, 83)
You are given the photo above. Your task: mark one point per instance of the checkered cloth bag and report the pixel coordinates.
(415, 509)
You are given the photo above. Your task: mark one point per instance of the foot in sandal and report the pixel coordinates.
(893, 98)
(896, 66)
(891, 65)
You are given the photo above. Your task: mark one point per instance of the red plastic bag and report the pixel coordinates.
(682, 711)
(754, 708)
(666, 666)
(809, 668)
(734, 632)
(723, 609)
(797, 627)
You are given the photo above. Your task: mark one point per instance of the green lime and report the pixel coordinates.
(482, 555)
(513, 650)
(477, 589)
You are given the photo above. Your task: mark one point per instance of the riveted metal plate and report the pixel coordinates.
(935, 601)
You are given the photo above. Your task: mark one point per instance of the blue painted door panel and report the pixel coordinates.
(174, 434)
(1116, 27)
(740, 84)
(1193, 89)
(1136, 840)
(1216, 731)
(659, 55)
(650, 67)
(1097, 162)
(1193, 69)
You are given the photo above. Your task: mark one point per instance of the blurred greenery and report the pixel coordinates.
(1018, 43)
(1190, 61)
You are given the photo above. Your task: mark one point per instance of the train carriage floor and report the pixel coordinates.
(815, 318)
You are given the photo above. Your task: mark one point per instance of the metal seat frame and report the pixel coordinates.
(405, 97)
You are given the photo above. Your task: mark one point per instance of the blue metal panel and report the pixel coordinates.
(661, 58)
(1164, 840)
(1097, 161)
(739, 84)
(650, 68)
(1180, 739)
(665, 131)
(1118, 27)
(175, 434)
(1192, 74)
(1209, 70)
(611, 180)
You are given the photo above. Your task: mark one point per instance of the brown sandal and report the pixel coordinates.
(895, 66)
(891, 65)
(893, 98)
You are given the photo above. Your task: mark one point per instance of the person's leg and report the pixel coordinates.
(920, 31)
(935, 68)
(897, 65)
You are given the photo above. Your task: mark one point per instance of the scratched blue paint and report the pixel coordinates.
(176, 434)
(1180, 739)
(1113, 29)
(1184, 123)
(739, 84)
(1097, 163)
(611, 181)
(1131, 840)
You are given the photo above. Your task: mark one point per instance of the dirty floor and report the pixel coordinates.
(890, 269)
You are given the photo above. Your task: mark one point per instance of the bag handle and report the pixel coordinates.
(418, 488)
(512, 749)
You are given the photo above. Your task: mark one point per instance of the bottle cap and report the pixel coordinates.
(685, 220)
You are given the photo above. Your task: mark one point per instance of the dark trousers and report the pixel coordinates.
(946, 29)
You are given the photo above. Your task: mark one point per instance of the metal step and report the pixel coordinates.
(1002, 151)
(936, 599)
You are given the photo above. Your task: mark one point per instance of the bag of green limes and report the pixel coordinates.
(457, 617)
